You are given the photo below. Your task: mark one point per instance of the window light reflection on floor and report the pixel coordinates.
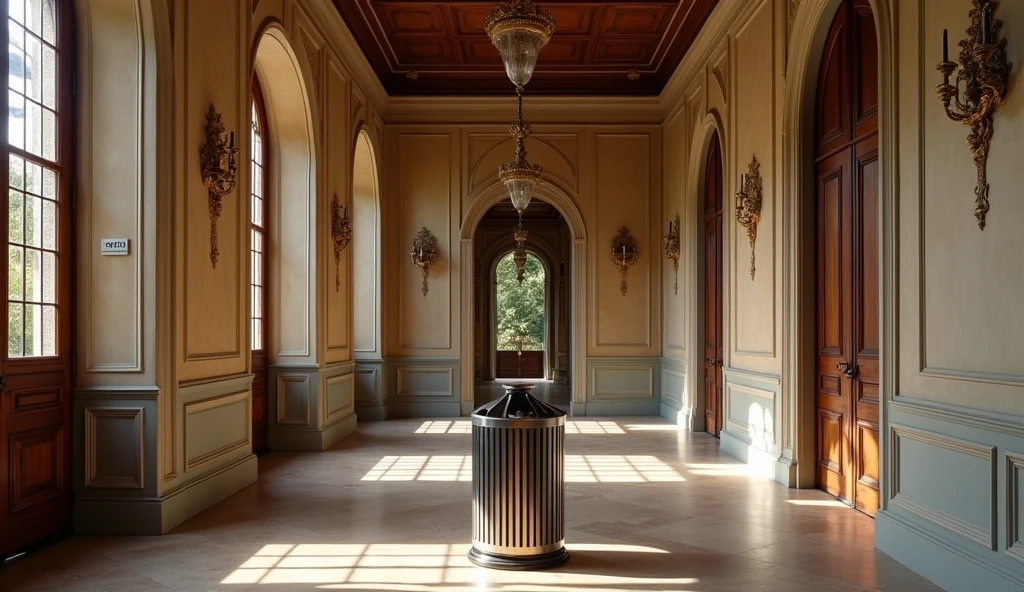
(571, 427)
(588, 468)
(432, 567)
(819, 503)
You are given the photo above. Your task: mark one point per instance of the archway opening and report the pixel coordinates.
(546, 286)
(521, 317)
(366, 280)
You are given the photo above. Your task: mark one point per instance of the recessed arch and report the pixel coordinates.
(366, 249)
(553, 195)
(810, 28)
(292, 189)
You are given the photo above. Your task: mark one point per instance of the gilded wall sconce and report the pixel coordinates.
(748, 205)
(979, 87)
(624, 254)
(217, 166)
(424, 253)
(672, 250)
(341, 232)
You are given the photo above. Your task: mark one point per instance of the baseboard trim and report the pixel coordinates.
(155, 516)
(373, 412)
(312, 440)
(942, 562)
(761, 462)
(617, 408)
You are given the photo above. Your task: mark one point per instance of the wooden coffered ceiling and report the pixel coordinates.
(438, 47)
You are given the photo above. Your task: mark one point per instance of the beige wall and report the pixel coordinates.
(612, 176)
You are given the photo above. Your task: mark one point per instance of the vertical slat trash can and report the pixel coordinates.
(518, 482)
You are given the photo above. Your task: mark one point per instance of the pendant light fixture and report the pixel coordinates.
(519, 255)
(519, 29)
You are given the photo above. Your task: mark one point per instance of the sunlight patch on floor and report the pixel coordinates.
(589, 468)
(819, 503)
(429, 567)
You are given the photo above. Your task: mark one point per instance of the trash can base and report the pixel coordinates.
(518, 563)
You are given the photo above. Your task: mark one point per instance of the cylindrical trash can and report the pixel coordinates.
(518, 482)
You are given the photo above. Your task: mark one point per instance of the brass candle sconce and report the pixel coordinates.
(624, 254)
(217, 166)
(424, 253)
(748, 205)
(672, 250)
(341, 232)
(979, 87)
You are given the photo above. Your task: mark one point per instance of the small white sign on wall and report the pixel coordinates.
(114, 246)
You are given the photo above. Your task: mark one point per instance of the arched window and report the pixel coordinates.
(521, 323)
(258, 243)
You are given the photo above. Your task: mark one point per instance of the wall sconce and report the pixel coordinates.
(217, 166)
(672, 249)
(341, 232)
(624, 254)
(983, 72)
(748, 205)
(424, 253)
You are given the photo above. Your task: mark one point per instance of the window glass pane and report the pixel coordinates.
(49, 278)
(33, 221)
(49, 135)
(33, 68)
(15, 217)
(34, 129)
(16, 120)
(16, 9)
(257, 334)
(49, 225)
(33, 178)
(49, 23)
(49, 330)
(35, 16)
(15, 273)
(17, 65)
(33, 330)
(16, 172)
(49, 78)
(15, 328)
(33, 275)
(49, 184)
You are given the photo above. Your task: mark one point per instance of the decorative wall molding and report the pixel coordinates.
(406, 382)
(293, 407)
(339, 401)
(125, 453)
(1014, 510)
(206, 453)
(984, 536)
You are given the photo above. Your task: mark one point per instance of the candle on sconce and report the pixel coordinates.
(986, 32)
(945, 45)
(346, 213)
(231, 144)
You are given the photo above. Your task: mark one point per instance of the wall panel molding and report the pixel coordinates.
(114, 447)
(206, 426)
(1014, 506)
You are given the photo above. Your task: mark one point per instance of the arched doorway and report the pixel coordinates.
(846, 208)
(714, 341)
(572, 267)
(366, 261)
(521, 313)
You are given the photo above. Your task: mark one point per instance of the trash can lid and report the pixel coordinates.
(518, 403)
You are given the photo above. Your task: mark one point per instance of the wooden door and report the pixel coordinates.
(36, 365)
(847, 259)
(713, 342)
(258, 237)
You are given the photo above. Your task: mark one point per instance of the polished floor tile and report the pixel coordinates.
(648, 508)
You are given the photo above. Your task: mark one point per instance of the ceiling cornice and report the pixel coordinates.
(341, 38)
(543, 109)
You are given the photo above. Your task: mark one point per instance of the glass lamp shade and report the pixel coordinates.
(521, 192)
(519, 49)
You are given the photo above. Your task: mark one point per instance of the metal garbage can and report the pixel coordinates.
(518, 482)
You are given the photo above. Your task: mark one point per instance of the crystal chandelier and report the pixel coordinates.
(519, 255)
(519, 29)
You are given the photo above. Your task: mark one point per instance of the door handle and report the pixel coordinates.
(850, 370)
(712, 361)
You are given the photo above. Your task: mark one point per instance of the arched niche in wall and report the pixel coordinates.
(550, 192)
(366, 246)
(292, 194)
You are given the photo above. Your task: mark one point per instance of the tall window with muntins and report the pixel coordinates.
(34, 176)
(520, 305)
(257, 226)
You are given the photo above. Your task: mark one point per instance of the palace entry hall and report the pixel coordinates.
(266, 258)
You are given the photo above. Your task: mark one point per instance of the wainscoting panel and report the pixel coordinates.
(952, 510)
(311, 408)
(370, 402)
(216, 427)
(423, 387)
(340, 397)
(622, 386)
(752, 420)
(115, 451)
(293, 395)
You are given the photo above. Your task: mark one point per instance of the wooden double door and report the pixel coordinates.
(847, 260)
(713, 323)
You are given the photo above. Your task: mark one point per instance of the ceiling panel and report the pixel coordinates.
(433, 47)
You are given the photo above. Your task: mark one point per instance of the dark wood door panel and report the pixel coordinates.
(714, 349)
(511, 365)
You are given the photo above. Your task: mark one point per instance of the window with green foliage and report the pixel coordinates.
(520, 305)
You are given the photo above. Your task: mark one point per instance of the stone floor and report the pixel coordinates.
(648, 509)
